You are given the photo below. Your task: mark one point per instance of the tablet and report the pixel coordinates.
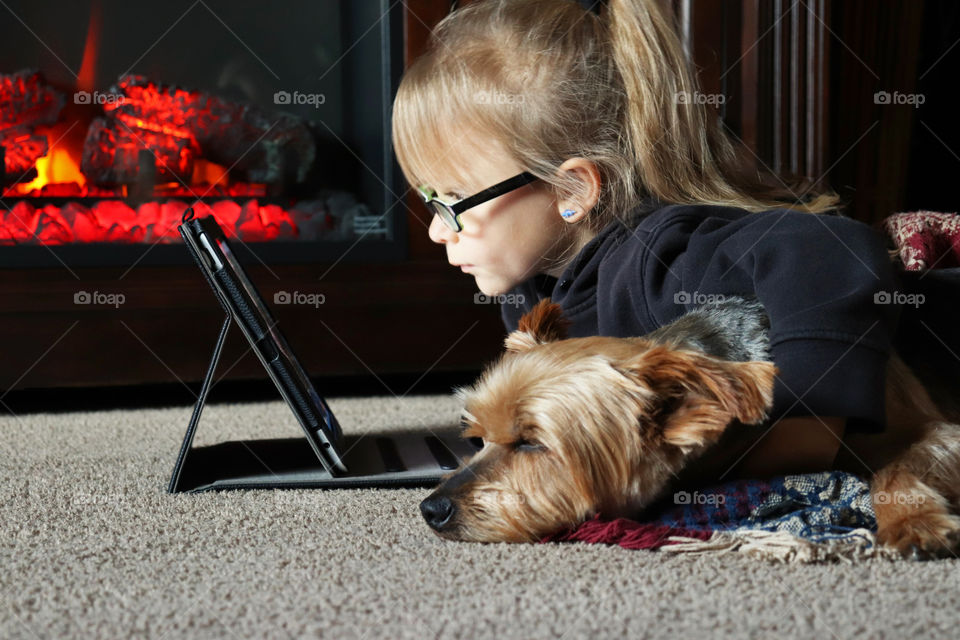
(410, 458)
(210, 245)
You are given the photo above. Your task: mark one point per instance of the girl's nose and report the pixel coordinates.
(439, 232)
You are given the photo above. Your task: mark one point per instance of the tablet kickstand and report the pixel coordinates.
(198, 408)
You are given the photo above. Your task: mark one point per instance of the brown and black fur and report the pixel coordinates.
(575, 427)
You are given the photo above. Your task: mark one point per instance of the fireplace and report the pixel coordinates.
(115, 116)
(274, 122)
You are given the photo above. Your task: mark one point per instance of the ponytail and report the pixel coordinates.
(677, 142)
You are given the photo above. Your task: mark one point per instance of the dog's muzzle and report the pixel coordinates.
(438, 511)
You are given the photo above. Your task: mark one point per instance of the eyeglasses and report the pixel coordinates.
(450, 212)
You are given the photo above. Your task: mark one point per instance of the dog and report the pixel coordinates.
(572, 427)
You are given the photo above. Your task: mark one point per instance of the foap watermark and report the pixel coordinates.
(898, 297)
(513, 299)
(497, 97)
(97, 97)
(695, 97)
(114, 500)
(97, 499)
(912, 99)
(297, 97)
(299, 297)
(99, 298)
(898, 497)
(697, 497)
(287, 498)
(695, 297)
(504, 498)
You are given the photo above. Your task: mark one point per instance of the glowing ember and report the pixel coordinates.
(117, 221)
(145, 156)
(205, 172)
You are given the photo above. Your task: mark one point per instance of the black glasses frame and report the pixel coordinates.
(450, 212)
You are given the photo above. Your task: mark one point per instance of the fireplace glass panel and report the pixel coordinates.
(115, 117)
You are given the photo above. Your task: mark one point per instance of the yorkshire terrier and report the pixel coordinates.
(575, 427)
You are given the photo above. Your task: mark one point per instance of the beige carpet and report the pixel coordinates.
(92, 546)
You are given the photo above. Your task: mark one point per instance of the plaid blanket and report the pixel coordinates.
(811, 517)
(925, 239)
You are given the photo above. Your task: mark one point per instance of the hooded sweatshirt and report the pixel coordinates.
(826, 281)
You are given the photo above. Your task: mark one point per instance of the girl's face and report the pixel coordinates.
(508, 239)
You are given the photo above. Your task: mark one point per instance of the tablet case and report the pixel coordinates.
(395, 459)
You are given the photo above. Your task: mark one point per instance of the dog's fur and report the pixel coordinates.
(573, 427)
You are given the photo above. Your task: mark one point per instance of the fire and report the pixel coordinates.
(205, 172)
(86, 78)
(168, 122)
(57, 167)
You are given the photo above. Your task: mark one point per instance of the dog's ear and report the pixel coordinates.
(692, 397)
(544, 323)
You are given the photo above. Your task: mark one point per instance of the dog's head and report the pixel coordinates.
(574, 427)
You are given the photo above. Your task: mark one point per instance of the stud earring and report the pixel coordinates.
(567, 213)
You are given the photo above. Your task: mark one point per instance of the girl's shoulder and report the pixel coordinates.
(647, 226)
(651, 221)
(650, 217)
(696, 232)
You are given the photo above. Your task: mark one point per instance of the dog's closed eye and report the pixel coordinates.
(527, 445)
(475, 440)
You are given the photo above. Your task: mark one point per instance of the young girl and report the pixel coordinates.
(567, 155)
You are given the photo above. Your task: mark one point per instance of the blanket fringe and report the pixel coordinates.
(781, 546)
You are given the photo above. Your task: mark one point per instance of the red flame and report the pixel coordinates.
(86, 79)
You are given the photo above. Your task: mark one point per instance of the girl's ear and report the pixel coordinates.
(544, 323)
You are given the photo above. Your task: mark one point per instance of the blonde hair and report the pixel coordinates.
(547, 80)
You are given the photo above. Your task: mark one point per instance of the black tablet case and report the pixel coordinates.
(395, 459)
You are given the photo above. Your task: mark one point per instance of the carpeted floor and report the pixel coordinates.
(92, 546)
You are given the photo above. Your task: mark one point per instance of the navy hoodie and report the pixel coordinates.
(824, 281)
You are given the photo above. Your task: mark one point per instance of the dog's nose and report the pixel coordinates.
(437, 511)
